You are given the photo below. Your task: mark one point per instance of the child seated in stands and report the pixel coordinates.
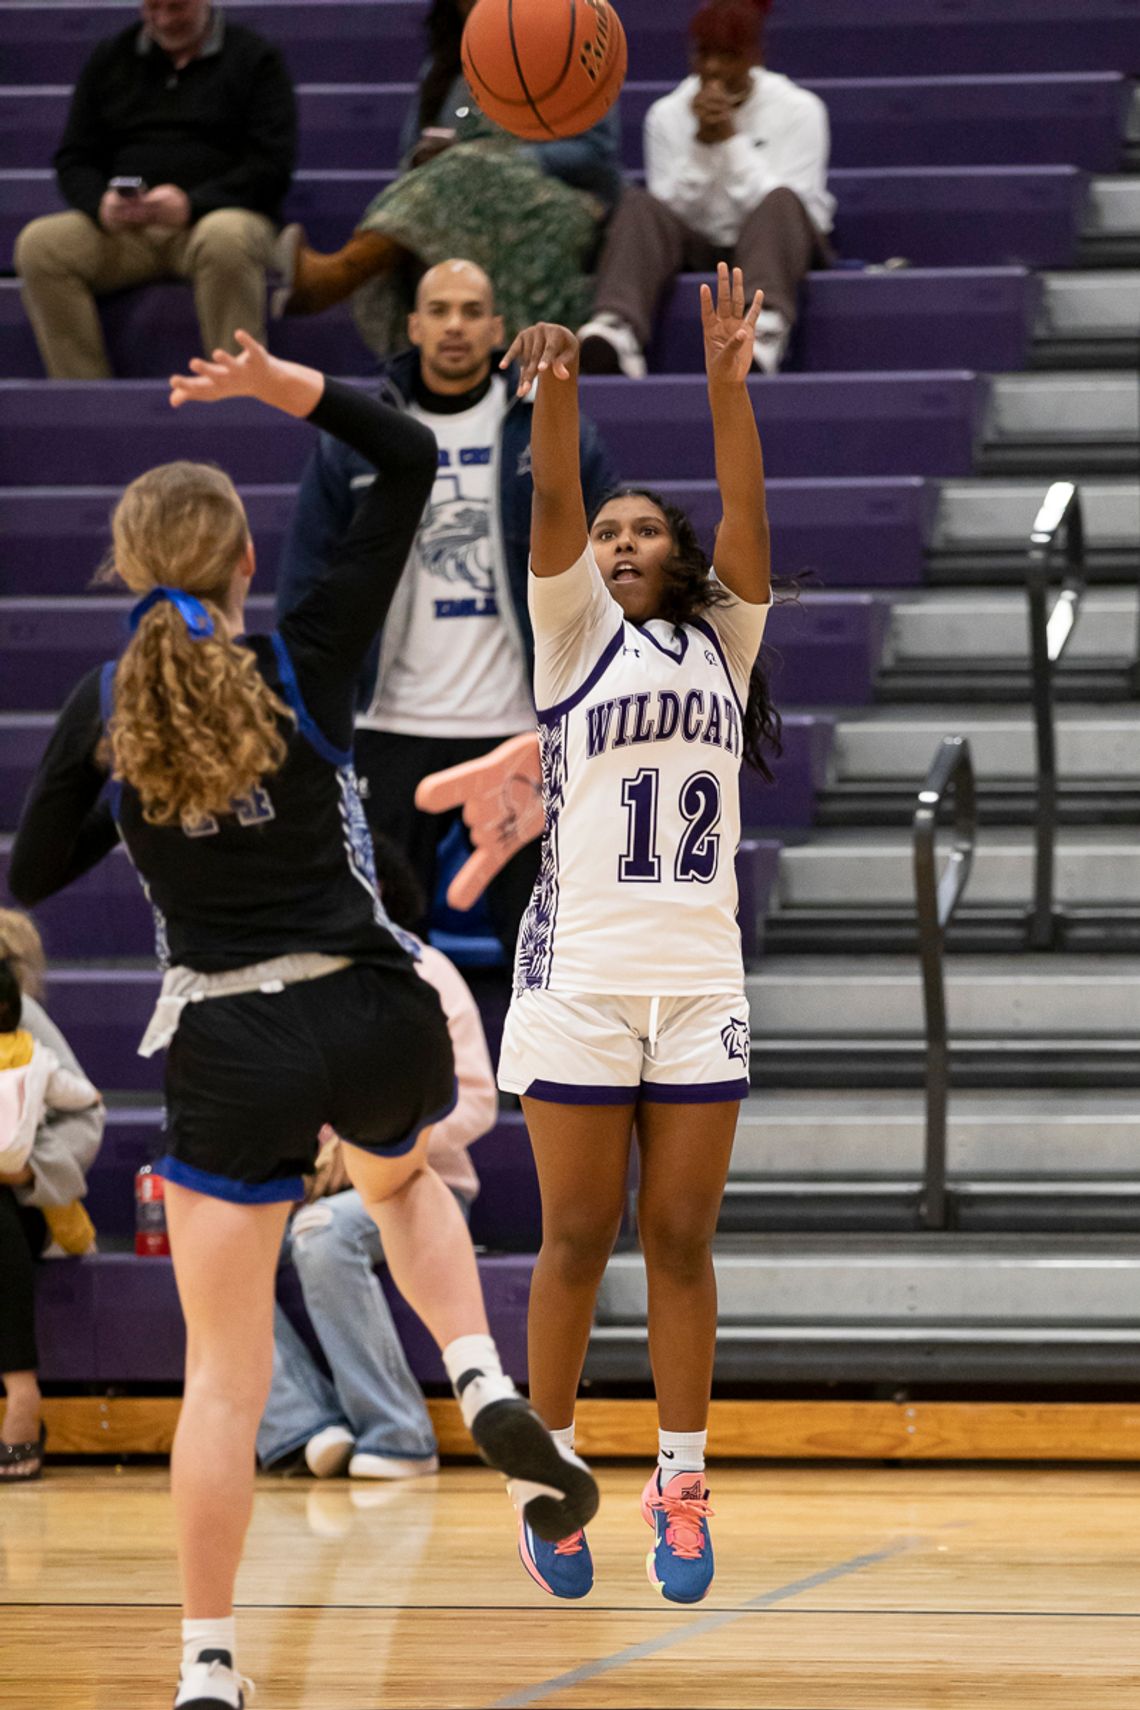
(32, 1082)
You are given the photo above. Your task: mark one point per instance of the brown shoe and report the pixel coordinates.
(312, 282)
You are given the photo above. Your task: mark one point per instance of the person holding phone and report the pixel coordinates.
(178, 150)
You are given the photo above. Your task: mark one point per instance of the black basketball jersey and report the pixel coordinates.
(290, 869)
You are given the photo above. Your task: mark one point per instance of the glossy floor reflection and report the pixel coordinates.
(897, 1589)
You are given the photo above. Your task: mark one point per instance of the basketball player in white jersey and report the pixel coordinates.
(629, 1000)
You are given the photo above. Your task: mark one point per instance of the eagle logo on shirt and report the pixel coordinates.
(736, 1037)
(455, 544)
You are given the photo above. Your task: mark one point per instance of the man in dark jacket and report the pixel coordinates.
(453, 673)
(178, 151)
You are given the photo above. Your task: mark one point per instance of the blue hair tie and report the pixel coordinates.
(194, 614)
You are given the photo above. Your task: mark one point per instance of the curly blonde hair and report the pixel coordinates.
(195, 725)
(22, 947)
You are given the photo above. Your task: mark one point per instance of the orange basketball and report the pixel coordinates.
(544, 68)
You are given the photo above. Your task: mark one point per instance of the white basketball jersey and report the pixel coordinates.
(640, 730)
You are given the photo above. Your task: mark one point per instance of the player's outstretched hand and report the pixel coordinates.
(544, 346)
(288, 386)
(225, 376)
(729, 329)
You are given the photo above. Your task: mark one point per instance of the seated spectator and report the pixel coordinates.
(736, 171)
(178, 150)
(528, 213)
(371, 1417)
(453, 672)
(39, 1197)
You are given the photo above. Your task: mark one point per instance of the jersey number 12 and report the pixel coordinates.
(698, 852)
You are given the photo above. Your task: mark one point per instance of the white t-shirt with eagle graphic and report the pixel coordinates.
(459, 669)
(640, 729)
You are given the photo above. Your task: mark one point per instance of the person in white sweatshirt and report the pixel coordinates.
(735, 170)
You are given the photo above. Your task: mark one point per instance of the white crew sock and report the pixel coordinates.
(681, 1451)
(214, 1635)
(565, 1437)
(476, 1359)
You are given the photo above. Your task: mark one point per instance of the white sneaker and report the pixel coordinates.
(212, 1683)
(390, 1466)
(328, 1453)
(622, 340)
(770, 344)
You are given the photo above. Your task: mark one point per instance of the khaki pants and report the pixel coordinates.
(66, 261)
(647, 245)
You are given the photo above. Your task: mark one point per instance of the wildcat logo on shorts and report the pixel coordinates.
(736, 1037)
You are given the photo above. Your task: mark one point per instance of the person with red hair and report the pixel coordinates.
(735, 170)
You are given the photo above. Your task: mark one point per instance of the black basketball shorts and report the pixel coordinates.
(251, 1079)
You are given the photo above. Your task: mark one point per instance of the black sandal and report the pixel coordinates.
(15, 1457)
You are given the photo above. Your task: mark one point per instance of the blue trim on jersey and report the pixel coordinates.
(708, 1092)
(400, 1148)
(306, 724)
(106, 710)
(284, 1188)
(551, 715)
(674, 658)
(710, 634)
(567, 1092)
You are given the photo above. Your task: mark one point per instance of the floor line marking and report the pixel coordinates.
(708, 1624)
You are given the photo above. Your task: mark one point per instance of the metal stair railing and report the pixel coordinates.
(936, 898)
(1050, 632)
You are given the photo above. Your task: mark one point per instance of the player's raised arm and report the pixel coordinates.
(743, 552)
(558, 534)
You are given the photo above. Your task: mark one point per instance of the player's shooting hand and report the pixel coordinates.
(728, 327)
(542, 348)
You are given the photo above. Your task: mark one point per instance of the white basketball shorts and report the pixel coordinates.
(608, 1049)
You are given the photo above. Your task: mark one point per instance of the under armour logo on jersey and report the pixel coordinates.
(636, 651)
(736, 1037)
(710, 657)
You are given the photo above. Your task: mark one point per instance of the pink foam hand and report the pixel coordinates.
(501, 798)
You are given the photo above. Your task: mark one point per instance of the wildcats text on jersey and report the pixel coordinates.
(698, 715)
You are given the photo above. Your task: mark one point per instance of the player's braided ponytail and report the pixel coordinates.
(688, 592)
(195, 726)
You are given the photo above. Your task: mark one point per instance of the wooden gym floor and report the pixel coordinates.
(892, 1587)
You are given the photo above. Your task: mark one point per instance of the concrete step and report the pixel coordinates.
(1066, 410)
(879, 1136)
(992, 518)
(1003, 1000)
(1090, 305)
(908, 1282)
(897, 744)
(874, 869)
(976, 627)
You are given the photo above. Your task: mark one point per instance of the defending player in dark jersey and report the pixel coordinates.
(288, 999)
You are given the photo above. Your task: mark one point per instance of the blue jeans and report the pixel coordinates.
(373, 1393)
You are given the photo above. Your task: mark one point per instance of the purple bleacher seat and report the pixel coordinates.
(976, 216)
(48, 644)
(825, 649)
(914, 319)
(855, 531)
(801, 772)
(131, 1138)
(115, 1318)
(102, 915)
(962, 317)
(893, 38)
(22, 741)
(757, 865)
(1074, 117)
(867, 424)
(55, 537)
(962, 216)
(345, 40)
(103, 1013)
